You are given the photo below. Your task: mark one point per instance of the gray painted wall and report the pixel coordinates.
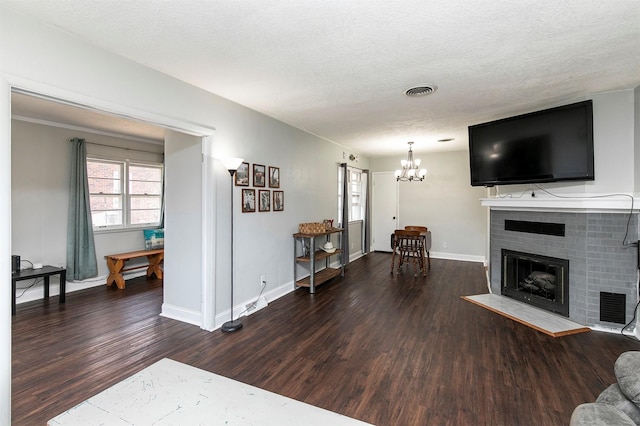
(445, 202)
(183, 221)
(615, 120)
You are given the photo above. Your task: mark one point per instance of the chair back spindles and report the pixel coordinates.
(408, 245)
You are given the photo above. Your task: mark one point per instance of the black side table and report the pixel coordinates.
(44, 272)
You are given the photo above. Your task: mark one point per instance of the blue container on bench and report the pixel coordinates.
(153, 238)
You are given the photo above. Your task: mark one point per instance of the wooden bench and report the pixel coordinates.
(116, 262)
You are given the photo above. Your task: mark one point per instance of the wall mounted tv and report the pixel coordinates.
(545, 146)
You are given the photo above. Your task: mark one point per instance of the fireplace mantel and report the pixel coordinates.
(570, 204)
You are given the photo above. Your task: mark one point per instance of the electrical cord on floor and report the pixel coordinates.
(633, 320)
(24, 289)
(254, 304)
(635, 310)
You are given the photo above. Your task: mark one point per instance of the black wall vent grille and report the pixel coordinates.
(544, 228)
(612, 307)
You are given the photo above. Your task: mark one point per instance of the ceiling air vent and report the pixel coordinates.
(420, 91)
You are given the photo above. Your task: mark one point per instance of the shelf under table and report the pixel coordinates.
(320, 277)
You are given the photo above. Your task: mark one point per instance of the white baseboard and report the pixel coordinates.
(450, 256)
(181, 314)
(241, 310)
(456, 256)
(37, 292)
(354, 256)
(612, 330)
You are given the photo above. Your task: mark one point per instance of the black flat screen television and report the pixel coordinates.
(545, 146)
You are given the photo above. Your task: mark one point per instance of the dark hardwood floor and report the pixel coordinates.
(388, 350)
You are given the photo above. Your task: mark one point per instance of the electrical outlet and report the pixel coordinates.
(444, 245)
(263, 280)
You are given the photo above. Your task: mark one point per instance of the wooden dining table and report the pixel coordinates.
(425, 237)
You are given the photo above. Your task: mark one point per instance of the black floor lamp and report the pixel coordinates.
(232, 165)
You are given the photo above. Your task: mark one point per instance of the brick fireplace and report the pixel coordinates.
(602, 272)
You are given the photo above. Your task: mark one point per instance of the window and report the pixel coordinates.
(124, 194)
(145, 194)
(106, 193)
(356, 194)
(357, 208)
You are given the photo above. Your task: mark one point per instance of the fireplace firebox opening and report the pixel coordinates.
(537, 280)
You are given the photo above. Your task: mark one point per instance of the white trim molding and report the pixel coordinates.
(598, 203)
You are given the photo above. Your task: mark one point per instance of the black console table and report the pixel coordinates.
(44, 272)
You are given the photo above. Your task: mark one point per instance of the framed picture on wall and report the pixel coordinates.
(248, 200)
(264, 200)
(259, 172)
(274, 177)
(242, 175)
(278, 201)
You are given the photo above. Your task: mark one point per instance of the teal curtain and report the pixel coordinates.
(367, 213)
(81, 250)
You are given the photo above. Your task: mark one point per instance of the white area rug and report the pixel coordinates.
(546, 322)
(172, 393)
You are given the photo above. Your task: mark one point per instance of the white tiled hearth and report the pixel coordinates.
(546, 322)
(595, 228)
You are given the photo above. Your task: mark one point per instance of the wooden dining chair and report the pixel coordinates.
(408, 247)
(426, 241)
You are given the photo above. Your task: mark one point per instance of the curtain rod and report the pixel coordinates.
(116, 147)
(353, 167)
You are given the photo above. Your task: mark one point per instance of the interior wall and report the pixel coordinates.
(444, 202)
(263, 241)
(613, 134)
(183, 219)
(40, 173)
(613, 129)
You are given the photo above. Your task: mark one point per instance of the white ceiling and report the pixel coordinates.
(36, 109)
(339, 68)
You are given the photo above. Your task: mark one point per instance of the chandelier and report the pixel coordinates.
(410, 168)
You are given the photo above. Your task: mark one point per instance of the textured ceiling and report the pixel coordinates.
(338, 68)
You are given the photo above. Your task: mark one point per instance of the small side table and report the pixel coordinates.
(44, 272)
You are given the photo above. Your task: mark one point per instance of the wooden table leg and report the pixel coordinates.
(63, 286)
(13, 297)
(154, 265)
(46, 286)
(115, 272)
